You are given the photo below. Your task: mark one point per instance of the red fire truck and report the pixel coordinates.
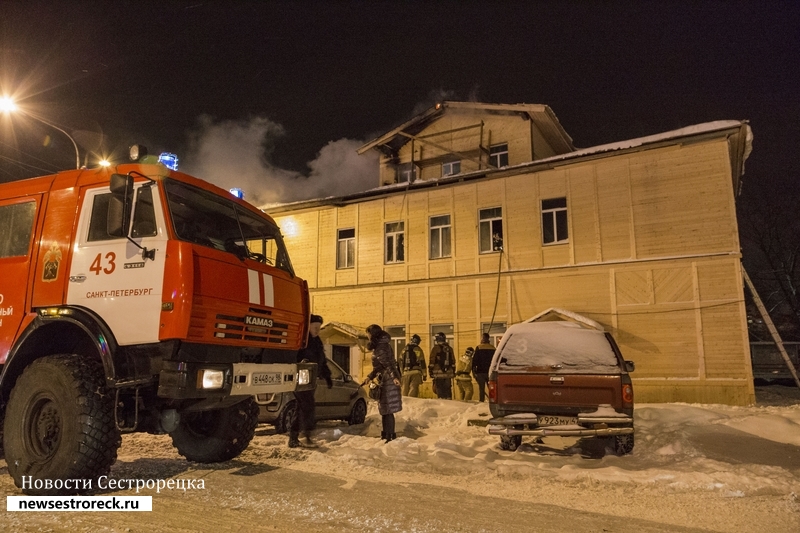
(138, 299)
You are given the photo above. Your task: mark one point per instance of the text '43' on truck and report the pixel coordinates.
(138, 299)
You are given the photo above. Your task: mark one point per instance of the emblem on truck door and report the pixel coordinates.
(52, 258)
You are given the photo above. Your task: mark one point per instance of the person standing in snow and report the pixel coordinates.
(463, 376)
(481, 361)
(305, 418)
(385, 366)
(442, 367)
(412, 363)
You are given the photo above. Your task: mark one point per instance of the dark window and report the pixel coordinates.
(144, 216)
(406, 172)
(346, 248)
(341, 356)
(491, 230)
(395, 242)
(498, 155)
(98, 224)
(16, 227)
(554, 221)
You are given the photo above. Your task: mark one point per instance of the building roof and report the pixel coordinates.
(740, 138)
(539, 114)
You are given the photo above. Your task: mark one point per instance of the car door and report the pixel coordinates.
(17, 221)
(112, 276)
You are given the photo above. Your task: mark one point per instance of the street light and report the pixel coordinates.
(7, 105)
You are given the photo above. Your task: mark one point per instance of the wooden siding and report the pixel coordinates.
(652, 254)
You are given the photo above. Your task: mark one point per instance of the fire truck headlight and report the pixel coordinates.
(303, 376)
(211, 379)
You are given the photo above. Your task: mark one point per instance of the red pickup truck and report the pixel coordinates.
(562, 377)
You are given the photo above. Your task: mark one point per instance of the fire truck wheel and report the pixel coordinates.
(60, 426)
(217, 435)
(286, 419)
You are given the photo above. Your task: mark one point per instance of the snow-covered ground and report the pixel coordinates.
(709, 467)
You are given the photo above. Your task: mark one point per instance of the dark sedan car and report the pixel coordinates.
(346, 400)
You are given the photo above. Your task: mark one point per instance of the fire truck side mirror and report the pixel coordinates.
(120, 205)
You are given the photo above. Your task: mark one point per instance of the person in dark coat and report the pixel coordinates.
(385, 366)
(481, 361)
(305, 418)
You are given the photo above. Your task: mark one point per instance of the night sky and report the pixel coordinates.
(261, 88)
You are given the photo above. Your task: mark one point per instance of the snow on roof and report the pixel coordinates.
(706, 127)
(353, 331)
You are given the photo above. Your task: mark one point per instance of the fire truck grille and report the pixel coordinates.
(252, 327)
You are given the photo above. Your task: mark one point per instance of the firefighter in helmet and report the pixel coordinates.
(463, 376)
(412, 365)
(442, 367)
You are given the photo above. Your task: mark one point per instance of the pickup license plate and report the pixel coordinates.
(557, 420)
(267, 378)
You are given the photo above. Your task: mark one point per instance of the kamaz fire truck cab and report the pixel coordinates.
(137, 298)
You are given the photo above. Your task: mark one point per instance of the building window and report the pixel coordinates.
(498, 155)
(450, 168)
(398, 335)
(448, 331)
(346, 248)
(395, 242)
(406, 172)
(440, 236)
(495, 331)
(554, 221)
(491, 230)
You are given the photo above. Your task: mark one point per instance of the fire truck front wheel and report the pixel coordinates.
(217, 435)
(59, 426)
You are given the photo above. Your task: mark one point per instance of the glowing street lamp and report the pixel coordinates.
(7, 105)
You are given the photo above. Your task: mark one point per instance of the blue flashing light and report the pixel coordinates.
(238, 193)
(169, 160)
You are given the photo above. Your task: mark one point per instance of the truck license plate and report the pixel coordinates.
(266, 378)
(557, 420)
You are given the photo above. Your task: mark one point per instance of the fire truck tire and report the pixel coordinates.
(216, 435)
(60, 426)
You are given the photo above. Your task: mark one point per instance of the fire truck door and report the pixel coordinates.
(111, 275)
(17, 221)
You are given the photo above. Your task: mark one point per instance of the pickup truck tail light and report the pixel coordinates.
(493, 391)
(627, 395)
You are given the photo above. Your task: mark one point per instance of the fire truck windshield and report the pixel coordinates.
(203, 218)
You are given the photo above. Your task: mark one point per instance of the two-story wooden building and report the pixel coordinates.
(486, 214)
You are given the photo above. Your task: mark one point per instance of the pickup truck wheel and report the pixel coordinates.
(216, 435)
(623, 444)
(285, 420)
(59, 425)
(510, 442)
(358, 414)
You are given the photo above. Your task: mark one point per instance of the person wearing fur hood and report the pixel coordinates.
(385, 367)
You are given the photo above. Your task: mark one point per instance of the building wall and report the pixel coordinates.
(653, 255)
(470, 134)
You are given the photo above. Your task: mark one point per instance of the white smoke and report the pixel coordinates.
(232, 154)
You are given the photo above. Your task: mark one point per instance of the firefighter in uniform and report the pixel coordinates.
(481, 361)
(463, 377)
(412, 365)
(442, 367)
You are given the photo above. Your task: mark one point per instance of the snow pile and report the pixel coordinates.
(732, 450)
